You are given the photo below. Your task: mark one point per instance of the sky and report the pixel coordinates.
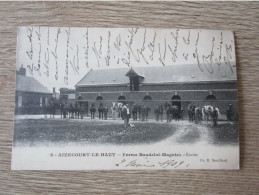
(61, 57)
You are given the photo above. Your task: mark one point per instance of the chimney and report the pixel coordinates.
(22, 71)
(54, 90)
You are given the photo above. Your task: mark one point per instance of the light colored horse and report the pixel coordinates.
(119, 110)
(207, 113)
(114, 110)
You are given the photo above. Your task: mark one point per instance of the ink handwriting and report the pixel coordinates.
(151, 46)
(146, 163)
(218, 61)
(117, 44)
(75, 65)
(208, 60)
(107, 58)
(30, 52)
(46, 56)
(228, 56)
(196, 54)
(176, 45)
(139, 53)
(67, 56)
(162, 60)
(55, 53)
(37, 69)
(86, 48)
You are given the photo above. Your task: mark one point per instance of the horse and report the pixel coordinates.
(161, 110)
(92, 110)
(211, 114)
(50, 109)
(100, 110)
(156, 110)
(77, 110)
(71, 110)
(176, 112)
(135, 112)
(168, 113)
(191, 112)
(114, 110)
(119, 109)
(198, 115)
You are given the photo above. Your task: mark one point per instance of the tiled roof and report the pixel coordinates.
(159, 74)
(29, 84)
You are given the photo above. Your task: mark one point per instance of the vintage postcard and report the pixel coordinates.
(125, 98)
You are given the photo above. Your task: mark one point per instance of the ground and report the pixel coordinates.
(33, 131)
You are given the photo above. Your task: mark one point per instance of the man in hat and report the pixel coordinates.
(126, 115)
(214, 116)
(229, 112)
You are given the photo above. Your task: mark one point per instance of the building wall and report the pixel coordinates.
(159, 87)
(194, 93)
(30, 102)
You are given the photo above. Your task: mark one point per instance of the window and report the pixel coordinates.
(40, 101)
(134, 83)
(19, 101)
(43, 101)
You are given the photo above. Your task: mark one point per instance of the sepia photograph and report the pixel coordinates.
(125, 98)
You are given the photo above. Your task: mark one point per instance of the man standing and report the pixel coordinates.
(214, 116)
(126, 115)
(229, 112)
(161, 110)
(168, 113)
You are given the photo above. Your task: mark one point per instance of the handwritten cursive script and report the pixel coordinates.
(136, 163)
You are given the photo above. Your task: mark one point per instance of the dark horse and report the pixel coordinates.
(191, 112)
(176, 112)
(50, 109)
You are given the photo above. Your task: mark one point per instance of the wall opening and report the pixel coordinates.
(211, 97)
(176, 100)
(99, 98)
(147, 98)
(121, 99)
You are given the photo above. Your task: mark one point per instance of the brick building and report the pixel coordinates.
(180, 85)
(30, 95)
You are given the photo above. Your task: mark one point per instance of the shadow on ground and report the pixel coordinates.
(47, 132)
(225, 134)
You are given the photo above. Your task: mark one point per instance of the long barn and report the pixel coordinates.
(178, 85)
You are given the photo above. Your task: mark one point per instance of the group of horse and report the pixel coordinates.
(172, 112)
(207, 113)
(196, 114)
(72, 110)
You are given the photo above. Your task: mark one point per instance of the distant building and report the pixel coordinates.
(30, 95)
(178, 85)
(67, 96)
